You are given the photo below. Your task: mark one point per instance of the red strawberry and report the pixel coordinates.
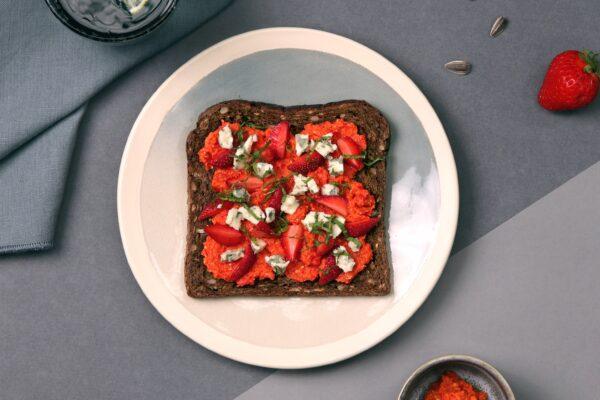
(324, 248)
(224, 234)
(263, 230)
(252, 183)
(278, 137)
(359, 228)
(348, 147)
(275, 199)
(571, 82)
(329, 271)
(212, 209)
(267, 155)
(307, 163)
(223, 158)
(244, 264)
(336, 203)
(292, 241)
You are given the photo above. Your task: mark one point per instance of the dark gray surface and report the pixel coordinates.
(74, 323)
(524, 298)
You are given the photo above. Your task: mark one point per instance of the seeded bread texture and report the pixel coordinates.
(374, 280)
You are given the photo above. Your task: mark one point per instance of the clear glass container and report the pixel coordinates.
(112, 20)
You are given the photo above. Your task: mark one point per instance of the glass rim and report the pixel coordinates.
(67, 20)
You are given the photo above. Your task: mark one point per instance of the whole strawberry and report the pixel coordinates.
(571, 82)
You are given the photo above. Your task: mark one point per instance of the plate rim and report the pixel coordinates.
(131, 171)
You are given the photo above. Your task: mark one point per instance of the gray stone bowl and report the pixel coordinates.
(478, 373)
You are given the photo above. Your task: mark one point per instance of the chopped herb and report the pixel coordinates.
(240, 134)
(281, 225)
(260, 174)
(325, 138)
(257, 153)
(251, 212)
(375, 213)
(355, 241)
(273, 186)
(268, 195)
(339, 224)
(246, 122)
(230, 197)
(370, 163)
(361, 155)
(341, 185)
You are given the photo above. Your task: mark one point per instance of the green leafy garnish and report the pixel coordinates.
(228, 196)
(240, 134)
(355, 241)
(257, 153)
(352, 156)
(251, 212)
(339, 224)
(340, 185)
(273, 186)
(244, 231)
(281, 225)
(363, 155)
(370, 163)
(257, 172)
(246, 122)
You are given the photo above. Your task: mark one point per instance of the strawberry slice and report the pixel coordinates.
(278, 137)
(244, 264)
(359, 228)
(212, 209)
(348, 147)
(336, 203)
(224, 234)
(223, 158)
(267, 155)
(263, 230)
(325, 248)
(275, 199)
(252, 183)
(329, 271)
(307, 163)
(292, 241)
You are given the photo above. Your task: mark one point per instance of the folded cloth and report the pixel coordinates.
(47, 74)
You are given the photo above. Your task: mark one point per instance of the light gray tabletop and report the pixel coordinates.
(520, 290)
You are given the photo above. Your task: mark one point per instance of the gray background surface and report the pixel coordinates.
(537, 321)
(74, 323)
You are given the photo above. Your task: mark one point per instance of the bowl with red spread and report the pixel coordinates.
(456, 377)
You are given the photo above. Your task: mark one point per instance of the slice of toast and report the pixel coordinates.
(374, 280)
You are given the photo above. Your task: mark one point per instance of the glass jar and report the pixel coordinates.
(112, 20)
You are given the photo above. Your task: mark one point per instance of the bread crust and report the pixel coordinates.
(374, 280)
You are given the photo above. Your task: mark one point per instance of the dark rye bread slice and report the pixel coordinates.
(374, 280)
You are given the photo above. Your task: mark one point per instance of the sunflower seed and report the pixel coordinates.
(498, 26)
(459, 67)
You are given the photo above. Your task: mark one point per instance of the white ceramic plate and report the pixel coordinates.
(287, 66)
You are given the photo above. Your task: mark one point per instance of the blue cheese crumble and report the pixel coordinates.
(225, 137)
(232, 255)
(278, 263)
(343, 259)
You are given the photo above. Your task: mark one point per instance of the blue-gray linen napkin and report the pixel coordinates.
(47, 74)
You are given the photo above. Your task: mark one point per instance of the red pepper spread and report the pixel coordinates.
(287, 204)
(452, 387)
